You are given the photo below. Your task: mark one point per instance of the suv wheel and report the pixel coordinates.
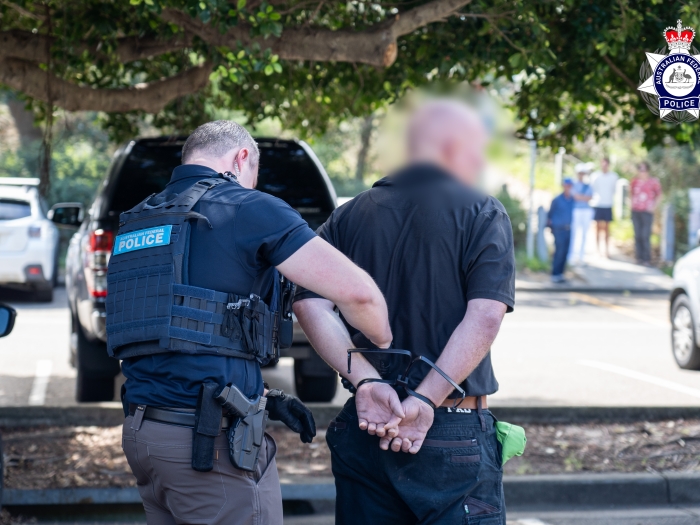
(312, 386)
(96, 370)
(683, 338)
(43, 295)
(2, 469)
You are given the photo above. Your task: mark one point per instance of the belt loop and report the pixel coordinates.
(480, 413)
(138, 417)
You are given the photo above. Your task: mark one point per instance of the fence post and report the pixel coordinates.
(668, 233)
(542, 251)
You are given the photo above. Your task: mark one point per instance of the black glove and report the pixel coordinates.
(292, 412)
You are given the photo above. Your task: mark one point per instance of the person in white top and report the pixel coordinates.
(603, 184)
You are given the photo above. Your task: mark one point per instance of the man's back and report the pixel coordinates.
(428, 258)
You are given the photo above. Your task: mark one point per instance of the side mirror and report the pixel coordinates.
(7, 319)
(67, 213)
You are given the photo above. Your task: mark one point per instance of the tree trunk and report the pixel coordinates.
(24, 122)
(365, 142)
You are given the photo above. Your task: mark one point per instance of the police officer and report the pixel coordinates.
(195, 305)
(442, 254)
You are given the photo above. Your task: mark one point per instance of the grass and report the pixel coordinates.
(522, 262)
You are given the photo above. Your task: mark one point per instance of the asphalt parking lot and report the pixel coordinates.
(555, 349)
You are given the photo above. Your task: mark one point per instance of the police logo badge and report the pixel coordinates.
(671, 83)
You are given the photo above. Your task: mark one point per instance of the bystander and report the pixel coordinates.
(559, 220)
(646, 191)
(583, 214)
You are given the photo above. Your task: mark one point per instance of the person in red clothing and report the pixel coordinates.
(646, 193)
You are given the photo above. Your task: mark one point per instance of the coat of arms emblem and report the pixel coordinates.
(674, 82)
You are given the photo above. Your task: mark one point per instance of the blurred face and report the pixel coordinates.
(464, 156)
(581, 175)
(643, 172)
(567, 189)
(605, 165)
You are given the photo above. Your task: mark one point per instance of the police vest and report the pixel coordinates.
(149, 298)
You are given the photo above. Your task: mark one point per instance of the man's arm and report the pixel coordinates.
(466, 348)
(319, 267)
(378, 407)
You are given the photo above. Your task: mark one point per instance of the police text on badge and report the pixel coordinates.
(138, 240)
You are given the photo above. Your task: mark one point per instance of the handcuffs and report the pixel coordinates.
(402, 379)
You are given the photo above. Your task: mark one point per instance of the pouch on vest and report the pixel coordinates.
(512, 439)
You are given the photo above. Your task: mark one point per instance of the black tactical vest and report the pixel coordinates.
(149, 297)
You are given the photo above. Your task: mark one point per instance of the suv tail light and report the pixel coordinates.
(97, 258)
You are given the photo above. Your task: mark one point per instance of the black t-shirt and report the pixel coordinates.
(251, 232)
(431, 244)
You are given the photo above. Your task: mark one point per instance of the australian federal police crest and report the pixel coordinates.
(140, 239)
(676, 76)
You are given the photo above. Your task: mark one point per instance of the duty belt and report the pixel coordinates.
(401, 380)
(184, 417)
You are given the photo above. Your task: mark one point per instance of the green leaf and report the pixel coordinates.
(274, 16)
(269, 70)
(241, 4)
(135, 2)
(277, 66)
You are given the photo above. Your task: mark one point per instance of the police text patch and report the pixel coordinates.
(140, 239)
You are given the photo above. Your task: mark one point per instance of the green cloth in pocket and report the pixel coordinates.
(512, 439)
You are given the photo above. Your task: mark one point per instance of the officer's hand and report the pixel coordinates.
(293, 413)
(413, 427)
(379, 410)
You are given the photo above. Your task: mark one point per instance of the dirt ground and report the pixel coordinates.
(91, 456)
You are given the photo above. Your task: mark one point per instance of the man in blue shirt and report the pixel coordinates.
(559, 220)
(237, 237)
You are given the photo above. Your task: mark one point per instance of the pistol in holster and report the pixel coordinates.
(245, 436)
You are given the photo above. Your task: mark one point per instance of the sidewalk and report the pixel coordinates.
(617, 274)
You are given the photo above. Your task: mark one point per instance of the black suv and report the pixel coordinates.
(288, 169)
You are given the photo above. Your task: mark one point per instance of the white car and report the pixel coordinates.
(28, 239)
(685, 310)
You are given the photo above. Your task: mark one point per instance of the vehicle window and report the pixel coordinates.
(146, 170)
(286, 171)
(11, 209)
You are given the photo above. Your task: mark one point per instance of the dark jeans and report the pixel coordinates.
(456, 477)
(642, 222)
(562, 240)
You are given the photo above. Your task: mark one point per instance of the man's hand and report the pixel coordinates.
(413, 427)
(379, 410)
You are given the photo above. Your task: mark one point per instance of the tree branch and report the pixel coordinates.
(33, 47)
(619, 72)
(375, 46)
(30, 79)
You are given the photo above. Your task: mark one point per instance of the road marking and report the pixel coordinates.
(633, 374)
(620, 309)
(37, 397)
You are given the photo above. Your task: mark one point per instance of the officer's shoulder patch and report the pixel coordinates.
(140, 239)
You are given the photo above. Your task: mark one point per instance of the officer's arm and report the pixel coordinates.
(466, 348)
(319, 267)
(328, 335)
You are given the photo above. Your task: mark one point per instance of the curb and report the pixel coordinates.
(520, 491)
(592, 289)
(105, 415)
(111, 414)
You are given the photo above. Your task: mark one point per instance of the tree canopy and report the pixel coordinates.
(568, 68)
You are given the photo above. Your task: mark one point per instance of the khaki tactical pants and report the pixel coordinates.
(160, 457)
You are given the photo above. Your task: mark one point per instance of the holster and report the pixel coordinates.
(207, 425)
